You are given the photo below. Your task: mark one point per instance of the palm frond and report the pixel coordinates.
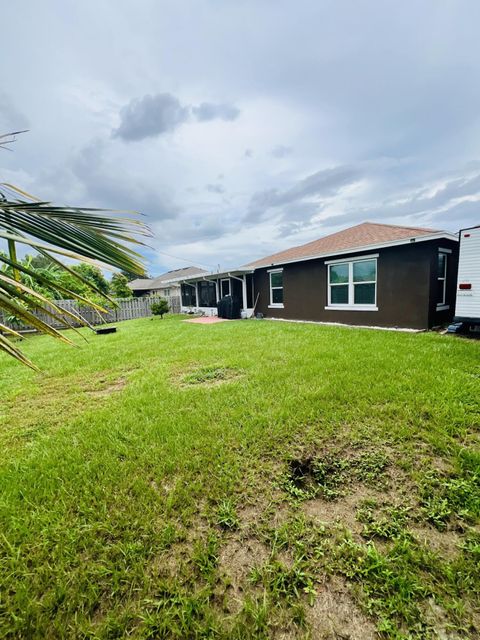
(95, 236)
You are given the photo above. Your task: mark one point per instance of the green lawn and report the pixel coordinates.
(249, 479)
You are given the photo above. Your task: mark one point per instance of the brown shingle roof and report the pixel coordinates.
(176, 274)
(361, 235)
(145, 284)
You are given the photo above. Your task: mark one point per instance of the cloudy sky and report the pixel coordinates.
(242, 127)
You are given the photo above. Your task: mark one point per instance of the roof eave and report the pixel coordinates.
(441, 235)
(220, 274)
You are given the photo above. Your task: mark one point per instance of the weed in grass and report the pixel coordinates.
(253, 620)
(371, 466)
(436, 510)
(226, 516)
(283, 582)
(299, 482)
(392, 591)
(209, 375)
(176, 613)
(330, 474)
(299, 535)
(466, 567)
(308, 477)
(205, 556)
(445, 496)
(390, 525)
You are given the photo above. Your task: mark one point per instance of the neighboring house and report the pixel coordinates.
(370, 274)
(166, 285)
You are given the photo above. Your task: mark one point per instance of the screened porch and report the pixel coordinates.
(202, 294)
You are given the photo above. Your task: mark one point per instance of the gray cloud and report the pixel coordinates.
(210, 111)
(154, 115)
(281, 151)
(429, 205)
(215, 188)
(150, 116)
(318, 185)
(465, 214)
(107, 185)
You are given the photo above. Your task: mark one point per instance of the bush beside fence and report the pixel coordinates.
(128, 309)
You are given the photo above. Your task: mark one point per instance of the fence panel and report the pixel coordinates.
(128, 309)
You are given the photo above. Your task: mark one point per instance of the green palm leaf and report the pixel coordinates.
(96, 236)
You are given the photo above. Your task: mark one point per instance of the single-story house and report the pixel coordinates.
(166, 285)
(370, 274)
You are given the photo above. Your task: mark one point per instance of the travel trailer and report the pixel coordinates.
(467, 307)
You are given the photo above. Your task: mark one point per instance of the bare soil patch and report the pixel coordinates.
(445, 543)
(236, 560)
(107, 387)
(341, 511)
(335, 616)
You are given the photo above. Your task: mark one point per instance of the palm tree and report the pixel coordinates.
(94, 236)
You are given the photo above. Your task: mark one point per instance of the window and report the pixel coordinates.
(207, 294)
(166, 292)
(224, 287)
(353, 284)
(276, 288)
(442, 260)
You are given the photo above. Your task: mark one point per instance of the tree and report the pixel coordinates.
(132, 276)
(83, 234)
(37, 261)
(94, 277)
(119, 286)
(160, 308)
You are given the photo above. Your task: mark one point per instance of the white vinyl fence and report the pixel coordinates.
(128, 309)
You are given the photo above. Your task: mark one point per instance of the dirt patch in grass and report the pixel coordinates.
(342, 511)
(107, 387)
(273, 513)
(335, 616)
(437, 618)
(52, 403)
(331, 473)
(236, 560)
(206, 376)
(445, 543)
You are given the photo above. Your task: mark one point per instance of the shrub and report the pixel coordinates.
(160, 307)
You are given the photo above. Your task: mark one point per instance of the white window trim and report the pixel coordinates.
(350, 305)
(274, 305)
(441, 306)
(229, 286)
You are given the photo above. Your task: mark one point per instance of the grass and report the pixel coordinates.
(177, 481)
